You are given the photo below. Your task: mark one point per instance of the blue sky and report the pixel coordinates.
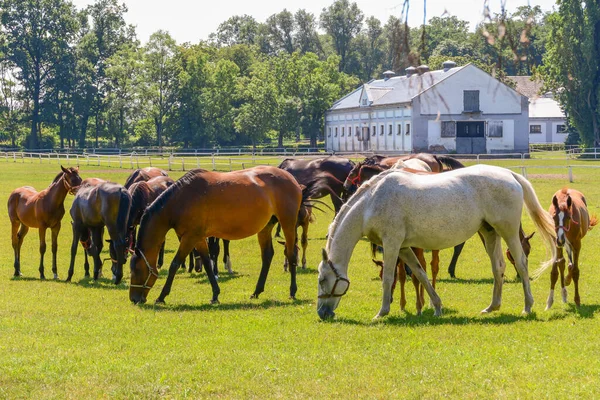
(191, 21)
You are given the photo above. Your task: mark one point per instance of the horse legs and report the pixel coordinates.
(401, 272)
(390, 261)
(42, 233)
(266, 248)
(55, 230)
(419, 290)
(304, 242)
(493, 246)
(520, 258)
(337, 203)
(574, 269)
(97, 244)
(213, 251)
(561, 269)
(408, 256)
(161, 256)
(74, 244)
(17, 242)
(205, 255)
(226, 258)
(457, 250)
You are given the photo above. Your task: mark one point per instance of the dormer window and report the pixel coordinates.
(364, 102)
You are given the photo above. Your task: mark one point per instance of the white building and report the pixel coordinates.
(455, 109)
(547, 121)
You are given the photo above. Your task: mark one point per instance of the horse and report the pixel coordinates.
(28, 208)
(95, 207)
(143, 193)
(572, 221)
(332, 170)
(229, 205)
(397, 210)
(86, 239)
(144, 174)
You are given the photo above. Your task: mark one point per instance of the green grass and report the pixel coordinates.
(86, 340)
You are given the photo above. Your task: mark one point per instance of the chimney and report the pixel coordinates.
(421, 69)
(388, 74)
(410, 71)
(448, 64)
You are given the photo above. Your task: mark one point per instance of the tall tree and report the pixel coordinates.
(281, 28)
(572, 65)
(342, 21)
(306, 36)
(370, 49)
(239, 29)
(160, 73)
(38, 32)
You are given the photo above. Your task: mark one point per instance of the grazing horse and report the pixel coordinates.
(86, 239)
(143, 193)
(95, 207)
(231, 205)
(397, 210)
(572, 221)
(44, 210)
(144, 174)
(332, 170)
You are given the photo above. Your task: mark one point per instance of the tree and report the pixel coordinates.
(342, 21)
(370, 49)
(572, 65)
(281, 28)
(38, 32)
(10, 105)
(239, 29)
(306, 36)
(160, 72)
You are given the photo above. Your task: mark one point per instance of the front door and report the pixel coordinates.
(470, 137)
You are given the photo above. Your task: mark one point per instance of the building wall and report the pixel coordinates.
(548, 126)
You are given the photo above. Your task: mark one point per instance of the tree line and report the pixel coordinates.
(81, 78)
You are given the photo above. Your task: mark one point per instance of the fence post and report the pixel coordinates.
(149, 159)
(170, 156)
(213, 162)
(524, 172)
(570, 174)
(230, 168)
(120, 160)
(182, 164)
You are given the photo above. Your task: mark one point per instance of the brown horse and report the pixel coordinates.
(143, 193)
(86, 238)
(44, 210)
(144, 174)
(572, 221)
(232, 206)
(95, 207)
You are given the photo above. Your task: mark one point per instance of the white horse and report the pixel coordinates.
(400, 210)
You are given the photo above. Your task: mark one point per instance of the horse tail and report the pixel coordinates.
(593, 222)
(131, 178)
(541, 219)
(448, 163)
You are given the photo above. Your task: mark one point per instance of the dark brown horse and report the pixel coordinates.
(144, 174)
(332, 171)
(572, 221)
(86, 239)
(143, 193)
(95, 207)
(232, 206)
(44, 210)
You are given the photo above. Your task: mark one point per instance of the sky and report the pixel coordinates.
(193, 20)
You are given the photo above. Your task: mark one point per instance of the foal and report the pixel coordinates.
(44, 210)
(571, 222)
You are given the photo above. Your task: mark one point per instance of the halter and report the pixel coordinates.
(566, 229)
(70, 189)
(338, 278)
(150, 272)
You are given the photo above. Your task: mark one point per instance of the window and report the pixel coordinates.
(374, 130)
(349, 131)
(364, 102)
(471, 100)
(407, 129)
(335, 135)
(535, 129)
(381, 130)
(357, 131)
(328, 132)
(448, 129)
(343, 131)
(495, 129)
(561, 128)
(399, 131)
(390, 129)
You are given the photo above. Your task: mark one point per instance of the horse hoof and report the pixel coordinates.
(437, 312)
(254, 296)
(18, 274)
(159, 301)
(293, 298)
(214, 302)
(55, 277)
(42, 277)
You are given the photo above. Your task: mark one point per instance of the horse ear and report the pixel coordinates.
(63, 169)
(325, 256)
(555, 202)
(77, 168)
(530, 236)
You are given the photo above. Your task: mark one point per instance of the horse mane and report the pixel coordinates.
(374, 159)
(448, 163)
(282, 164)
(158, 204)
(355, 198)
(139, 200)
(57, 178)
(132, 178)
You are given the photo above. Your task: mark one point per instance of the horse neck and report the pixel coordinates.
(151, 235)
(345, 236)
(56, 194)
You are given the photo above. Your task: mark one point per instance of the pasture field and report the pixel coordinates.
(86, 340)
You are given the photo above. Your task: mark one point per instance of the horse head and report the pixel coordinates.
(143, 277)
(525, 244)
(118, 250)
(562, 213)
(351, 182)
(71, 179)
(332, 286)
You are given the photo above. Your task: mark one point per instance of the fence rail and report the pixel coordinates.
(234, 161)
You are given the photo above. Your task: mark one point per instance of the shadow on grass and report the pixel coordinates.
(102, 283)
(584, 310)
(250, 305)
(448, 318)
